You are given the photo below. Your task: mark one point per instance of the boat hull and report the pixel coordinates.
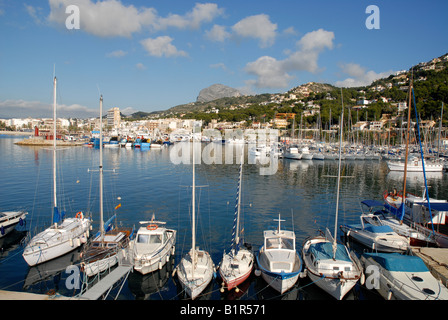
(10, 220)
(40, 250)
(195, 280)
(155, 260)
(279, 281)
(374, 242)
(236, 270)
(328, 278)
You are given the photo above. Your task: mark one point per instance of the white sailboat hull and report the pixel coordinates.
(334, 276)
(195, 279)
(52, 243)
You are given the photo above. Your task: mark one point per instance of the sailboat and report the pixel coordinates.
(196, 268)
(279, 262)
(237, 264)
(64, 235)
(105, 250)
(330, 264)
(416, 211)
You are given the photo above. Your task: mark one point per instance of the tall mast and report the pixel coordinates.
(55, 204)
(407, 150)
(101, 170)
(193, 204)
(339, 177)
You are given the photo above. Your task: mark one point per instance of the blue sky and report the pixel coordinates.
(153, 55)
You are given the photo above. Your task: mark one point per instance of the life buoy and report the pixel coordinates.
(152, 226)
(79, 215)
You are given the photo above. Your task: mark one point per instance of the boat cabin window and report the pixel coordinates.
(111, 245)
(142, 238)
(155, 238)
(146, 238)
(279, 243)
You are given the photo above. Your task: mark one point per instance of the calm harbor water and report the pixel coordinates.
(147, 182)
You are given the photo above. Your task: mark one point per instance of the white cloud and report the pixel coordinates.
(358, 76)
(317, 40)
(111, 18)
(34, 12)
(270, 72)
(161, 46)
(201, 13)
(116, 54)
(104, 18)
(37, 109)
(217, 33)
(140, 66)
(273, 73)
(259, 27)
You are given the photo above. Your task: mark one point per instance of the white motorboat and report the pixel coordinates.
(279, 262)
(380, 238)
(9, 220)
(292, 153)
(64, 235)
(415, 165)
(402, 277)
(382, 216)
(152, 247)
(306, 154)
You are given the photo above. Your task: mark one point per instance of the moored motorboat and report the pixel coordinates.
(152, 246)
(9, 220)
(402, 277)
(279, 262)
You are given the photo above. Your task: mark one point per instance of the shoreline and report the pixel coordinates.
(16, 133)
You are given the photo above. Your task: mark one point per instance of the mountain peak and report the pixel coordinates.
(217, 91)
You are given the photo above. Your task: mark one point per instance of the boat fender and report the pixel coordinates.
(71, 242)
(167, 257)
(389, 295)
(3, 231)
(160, 265)
(21, 222)
(78, 242)
(257, 272)
(363, 279)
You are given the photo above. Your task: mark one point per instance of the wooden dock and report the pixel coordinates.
(436, 259)
(106, 283)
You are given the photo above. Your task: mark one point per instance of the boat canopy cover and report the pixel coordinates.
(438, 206)
(378, 229)
(324, 251)
(372, 203)
(398, 262)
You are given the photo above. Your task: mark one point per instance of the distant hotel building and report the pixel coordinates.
(113, 117)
